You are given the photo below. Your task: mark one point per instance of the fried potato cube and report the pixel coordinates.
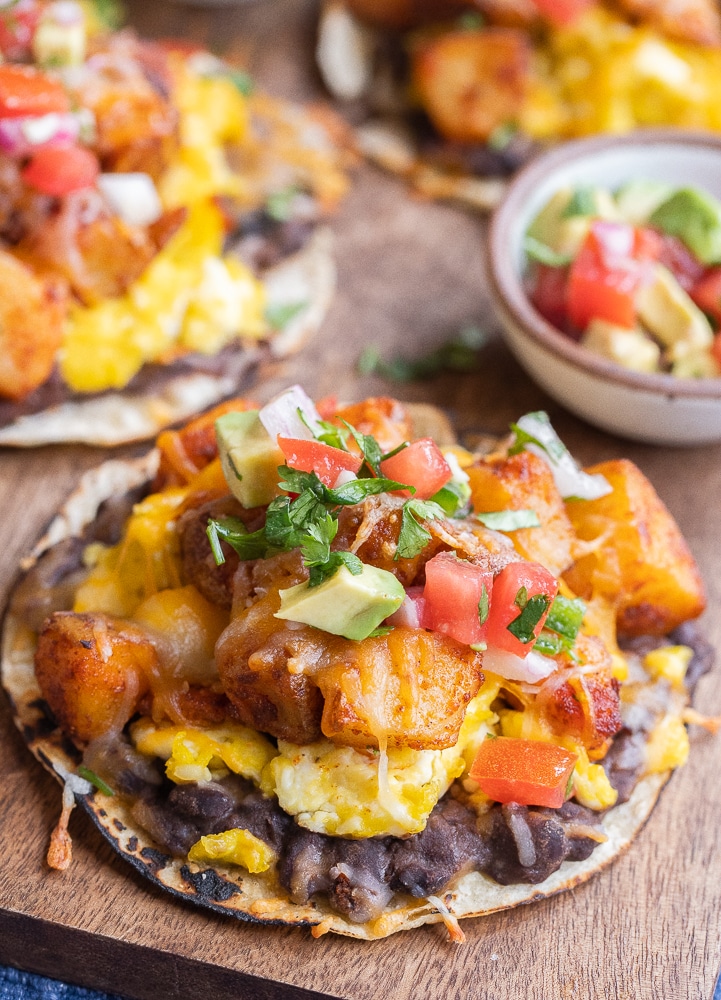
(92, 671)
(410, 686)
(472, 82)
(32, 314)
(525, 482)
(641, 562)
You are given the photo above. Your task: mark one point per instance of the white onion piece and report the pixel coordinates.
(20, 136)
(133, 197)
(73, 782)
(530, 668)
(571, 480)
(344, 476)
(281, 416)
(522, 835)
(410, 613)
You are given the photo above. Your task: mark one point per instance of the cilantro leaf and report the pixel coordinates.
(278, 205)
(457, 355)
(232, 530)
(370, 449)
(335, 560)
(242, 81)
(413, 536)
(92, 777)
(279, 316)
(509, 520)
(483, 606)
(358, 489)
(532, 612)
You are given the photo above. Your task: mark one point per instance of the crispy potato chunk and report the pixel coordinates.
(642, 562)
(525, 482)
(32, 313)
(261, 665)
(294, 682)
(472, 82)
(92, 671)
(183, 453)
(410, 686)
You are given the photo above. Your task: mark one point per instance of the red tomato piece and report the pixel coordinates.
(24, 92)
(420, 464)
(17, 27)
(58, 170)
(514, 590)
(457, 596)
(548, 293)
(605, 276)
(706, 293)
(529, 772)
(314, 456)
(327, 407)
(562, 11)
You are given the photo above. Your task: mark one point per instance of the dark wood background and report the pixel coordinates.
(411, 274)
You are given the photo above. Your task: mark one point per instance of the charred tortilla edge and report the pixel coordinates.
(229, 890)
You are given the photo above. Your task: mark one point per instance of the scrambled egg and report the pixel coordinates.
(235, 847)
(188, 298)
(349, 793)
(600, 74)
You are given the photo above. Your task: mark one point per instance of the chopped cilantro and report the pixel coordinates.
(279, 316)
(523, 627)
(483, 606)
(242, 81)
(92, 777)
(280, 203)
(413, 536)
(509, 520)
(370, 449)
(582, 203)
(234, 532)
(457, 355)
(501, 136)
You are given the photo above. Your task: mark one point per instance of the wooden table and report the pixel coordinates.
(411, 274)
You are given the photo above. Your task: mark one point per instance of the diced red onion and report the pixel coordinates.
(281, 416)
(132, 196)
(530, 668)
(21, 136)
(410, 613)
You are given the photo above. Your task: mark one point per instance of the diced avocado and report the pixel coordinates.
(695, 217)
(562, 225)
(671, 315)
(249, 456)
(344, 604)
(630, 348)
(638, 200)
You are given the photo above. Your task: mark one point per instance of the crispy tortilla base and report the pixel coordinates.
(231, 890)
(116, 418)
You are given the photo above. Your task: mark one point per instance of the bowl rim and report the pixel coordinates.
(507, 286)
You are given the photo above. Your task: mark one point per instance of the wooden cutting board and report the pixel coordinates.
(411, 275)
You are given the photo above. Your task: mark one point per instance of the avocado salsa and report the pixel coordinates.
(633, 275)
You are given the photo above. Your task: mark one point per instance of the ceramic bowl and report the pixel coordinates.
(658, 409)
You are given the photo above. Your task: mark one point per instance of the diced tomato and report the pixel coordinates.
(706, 293)
(457, 597)
(562, 11)
(548, 293)
(647, 244)
(18, 22)
(315, 456)
(422, 465)
(521, 589)
(25, 91)
(605, 276)
(681, 262)
(529, 772)
(58, 170)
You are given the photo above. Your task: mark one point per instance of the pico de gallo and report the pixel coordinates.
(633, 275)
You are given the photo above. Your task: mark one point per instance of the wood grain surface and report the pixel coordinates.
(648, 928)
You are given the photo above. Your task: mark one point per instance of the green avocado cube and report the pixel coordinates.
(344, 604)
(249, 456)
(695, 217)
